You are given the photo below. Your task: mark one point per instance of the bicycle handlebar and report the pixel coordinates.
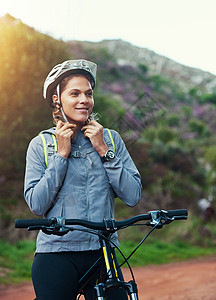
(152, 216)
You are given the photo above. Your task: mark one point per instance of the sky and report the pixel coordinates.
(182, 30)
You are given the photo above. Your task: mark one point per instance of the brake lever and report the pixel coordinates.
(159, 218)
(156, 219)
(55, 229)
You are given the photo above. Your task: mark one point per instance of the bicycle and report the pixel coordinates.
(111, 279)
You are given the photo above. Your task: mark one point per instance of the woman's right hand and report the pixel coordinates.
(64, 132)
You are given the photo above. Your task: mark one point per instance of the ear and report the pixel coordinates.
(56, 101)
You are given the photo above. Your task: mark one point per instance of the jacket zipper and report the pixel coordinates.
(87, 202)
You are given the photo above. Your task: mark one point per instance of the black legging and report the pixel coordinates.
(55, 276)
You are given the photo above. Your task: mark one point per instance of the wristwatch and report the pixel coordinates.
(109, 155)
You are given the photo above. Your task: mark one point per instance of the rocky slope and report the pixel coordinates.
(187, 77)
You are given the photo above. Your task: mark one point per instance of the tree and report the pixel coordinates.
(26, 57)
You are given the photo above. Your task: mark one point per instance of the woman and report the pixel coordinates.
(79, 181)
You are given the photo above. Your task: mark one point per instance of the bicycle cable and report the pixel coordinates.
(125, 259)
(106, 238)
(140, 243)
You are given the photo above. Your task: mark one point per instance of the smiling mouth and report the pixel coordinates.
(82, 108)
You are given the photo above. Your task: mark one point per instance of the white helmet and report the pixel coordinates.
(69, 67)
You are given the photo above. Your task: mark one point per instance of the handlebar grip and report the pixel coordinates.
(32, 222)
(177, 213)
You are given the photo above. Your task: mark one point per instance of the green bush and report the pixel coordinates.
(187, 111)
(208, 98)
(173, 120)
(144, 68)
(199, 127)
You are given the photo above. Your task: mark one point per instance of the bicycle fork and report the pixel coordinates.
(130, 286)
(113, 281)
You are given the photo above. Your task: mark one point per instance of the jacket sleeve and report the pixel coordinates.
(123, 174)
(42, 184)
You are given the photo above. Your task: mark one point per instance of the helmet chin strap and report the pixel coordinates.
(60, 105)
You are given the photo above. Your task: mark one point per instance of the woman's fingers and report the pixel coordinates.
(94, 131)
(63, 126)
(64, 132)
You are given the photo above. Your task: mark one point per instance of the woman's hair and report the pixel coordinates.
(64, 82)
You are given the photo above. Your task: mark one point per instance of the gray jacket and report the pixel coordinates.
(80, 187)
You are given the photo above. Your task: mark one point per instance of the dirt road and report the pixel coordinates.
(193, 280)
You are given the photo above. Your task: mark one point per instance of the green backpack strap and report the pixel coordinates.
(109, 142)
(55, 142)
(111, 139)
(45, 146)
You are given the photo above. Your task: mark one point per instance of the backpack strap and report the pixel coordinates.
(55, 142)
(111, 138)
(47, 146)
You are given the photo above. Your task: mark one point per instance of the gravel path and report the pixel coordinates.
(180, 281)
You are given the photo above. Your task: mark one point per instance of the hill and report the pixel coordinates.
(128, 54)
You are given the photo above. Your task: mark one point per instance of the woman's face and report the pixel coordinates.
(77, 100)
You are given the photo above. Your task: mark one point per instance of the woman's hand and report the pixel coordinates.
(94, 131)
(64, 132)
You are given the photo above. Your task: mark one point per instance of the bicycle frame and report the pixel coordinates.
(113, 280)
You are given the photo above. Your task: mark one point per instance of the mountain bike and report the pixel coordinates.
(99, 282)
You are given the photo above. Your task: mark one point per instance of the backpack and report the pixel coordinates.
(51, 147)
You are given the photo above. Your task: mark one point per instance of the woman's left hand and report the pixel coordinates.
(94, 131)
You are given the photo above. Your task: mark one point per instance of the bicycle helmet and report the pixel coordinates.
(69, 67)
